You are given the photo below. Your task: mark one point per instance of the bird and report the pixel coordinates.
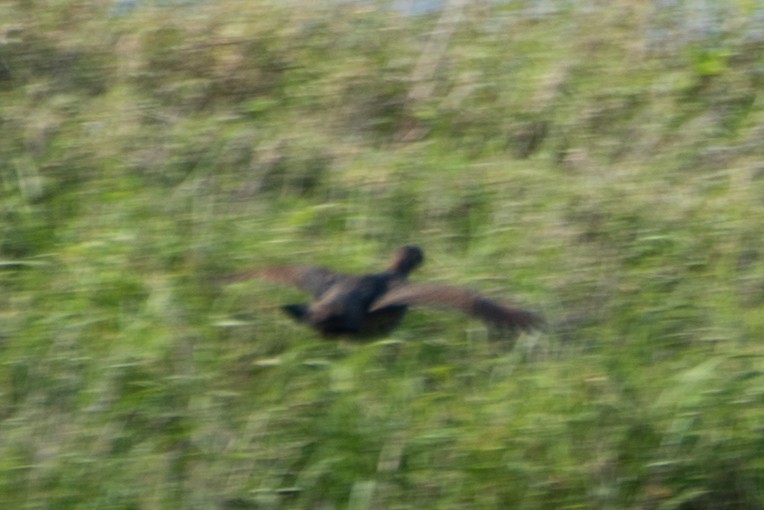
(367, 306)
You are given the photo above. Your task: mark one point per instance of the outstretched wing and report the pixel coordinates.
(311, 279)
(493, 312)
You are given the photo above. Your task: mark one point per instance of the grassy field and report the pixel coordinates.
(603, 166)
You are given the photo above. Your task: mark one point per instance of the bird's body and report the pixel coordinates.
(372, 305)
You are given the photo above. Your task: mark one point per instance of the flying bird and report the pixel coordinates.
(372, 305)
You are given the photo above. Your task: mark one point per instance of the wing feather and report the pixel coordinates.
(311, 279)
(442, 296)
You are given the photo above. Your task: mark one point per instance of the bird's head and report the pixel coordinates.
(406, 259)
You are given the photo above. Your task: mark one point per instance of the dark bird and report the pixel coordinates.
(371, 305)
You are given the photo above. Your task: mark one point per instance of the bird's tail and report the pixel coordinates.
(297, 311)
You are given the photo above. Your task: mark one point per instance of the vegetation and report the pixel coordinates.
(603, 165)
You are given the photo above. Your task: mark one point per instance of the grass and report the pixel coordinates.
(605, 179)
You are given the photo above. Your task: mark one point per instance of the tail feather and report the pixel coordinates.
(296, 311)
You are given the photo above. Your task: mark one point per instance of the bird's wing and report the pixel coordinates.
(311, 279)
(493, 312)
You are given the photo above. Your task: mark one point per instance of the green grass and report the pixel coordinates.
(609, 177)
